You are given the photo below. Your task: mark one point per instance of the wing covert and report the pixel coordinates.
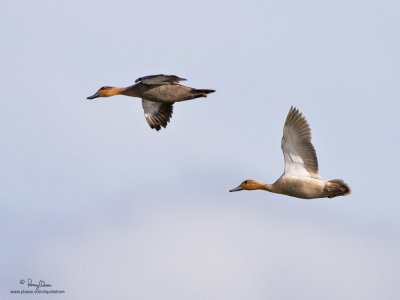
(159, 79)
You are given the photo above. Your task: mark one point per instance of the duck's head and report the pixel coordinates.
(248, 185)
(104, 91)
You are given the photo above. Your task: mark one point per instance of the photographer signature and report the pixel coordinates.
(41, 283)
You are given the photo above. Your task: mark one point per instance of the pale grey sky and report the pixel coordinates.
(99, 205)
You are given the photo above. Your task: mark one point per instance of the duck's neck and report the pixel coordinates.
(264, 186)
(132, 91)
(268, 187)
(115, 91)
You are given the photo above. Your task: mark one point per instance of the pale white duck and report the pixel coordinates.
(158, 93)
(300, 178)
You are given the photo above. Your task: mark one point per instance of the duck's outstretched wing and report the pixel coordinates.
(159, 79)
(157, 114)
(298, 151)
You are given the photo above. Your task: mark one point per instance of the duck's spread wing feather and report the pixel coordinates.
(159, 79)
(298, 151)
(157, 114)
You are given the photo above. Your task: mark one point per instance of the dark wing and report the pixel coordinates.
(159, 79)
(157, 114)
(298, 151)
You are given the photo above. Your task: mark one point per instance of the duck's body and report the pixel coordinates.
(305, 188)
(158, 93)
(301, 178)
(168, 93)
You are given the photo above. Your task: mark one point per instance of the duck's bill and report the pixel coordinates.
(93, 96)
(237, 189)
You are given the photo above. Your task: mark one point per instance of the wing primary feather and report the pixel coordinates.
(157, 114)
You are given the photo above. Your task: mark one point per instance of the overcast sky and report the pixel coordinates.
(97, 204)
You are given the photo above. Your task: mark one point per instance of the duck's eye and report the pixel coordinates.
(245, 182)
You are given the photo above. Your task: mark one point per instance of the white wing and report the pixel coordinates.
(157, 114)
(298, 151)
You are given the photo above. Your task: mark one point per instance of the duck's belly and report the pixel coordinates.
(167, 93)
(300, 187)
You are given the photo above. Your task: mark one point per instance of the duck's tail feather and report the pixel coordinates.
(337, 187)
(202, 91)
